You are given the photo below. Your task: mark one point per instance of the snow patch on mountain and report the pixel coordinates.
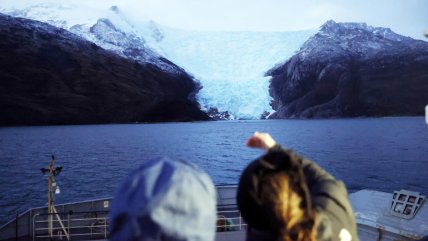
(332, 28)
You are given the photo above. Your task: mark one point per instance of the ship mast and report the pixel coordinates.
(52, 188)
(51, 181)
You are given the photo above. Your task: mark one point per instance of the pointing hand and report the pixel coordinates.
(261, 140)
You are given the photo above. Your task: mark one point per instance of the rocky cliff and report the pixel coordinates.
(350, 70)
(51, 76)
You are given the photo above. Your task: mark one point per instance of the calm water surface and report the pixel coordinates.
(382, 154)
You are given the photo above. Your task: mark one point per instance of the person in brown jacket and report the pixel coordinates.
(284, 197)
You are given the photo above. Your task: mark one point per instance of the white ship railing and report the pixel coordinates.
(78, 226)
(230, 221)
(94, 225)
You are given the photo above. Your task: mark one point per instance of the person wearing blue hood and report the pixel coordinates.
(164, 199)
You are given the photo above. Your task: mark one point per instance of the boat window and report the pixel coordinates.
(408, 209)
(405, 203)
(398, 207)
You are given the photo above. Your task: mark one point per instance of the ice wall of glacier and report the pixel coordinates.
(230, 65)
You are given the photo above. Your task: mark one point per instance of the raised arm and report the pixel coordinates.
(329, 196)
(313, 172)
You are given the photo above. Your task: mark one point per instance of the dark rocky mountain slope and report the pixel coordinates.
(51, 76)
(350, 70)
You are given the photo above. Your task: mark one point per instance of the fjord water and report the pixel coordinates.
(383, 154)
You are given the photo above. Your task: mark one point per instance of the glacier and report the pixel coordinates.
(230, 66)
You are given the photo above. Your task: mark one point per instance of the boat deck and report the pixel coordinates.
(89, 220)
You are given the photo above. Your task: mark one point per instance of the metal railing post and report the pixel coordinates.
(68, 225)
(240, 222)
(29, 222)
(105, 227)
(34, 226)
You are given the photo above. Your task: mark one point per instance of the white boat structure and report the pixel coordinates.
(401, 215)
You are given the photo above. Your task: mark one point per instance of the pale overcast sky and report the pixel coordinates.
(406, 17)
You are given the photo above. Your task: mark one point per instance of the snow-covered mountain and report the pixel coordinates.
(107, 27)
(51, 76)
(352, 69)
(229, 65)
